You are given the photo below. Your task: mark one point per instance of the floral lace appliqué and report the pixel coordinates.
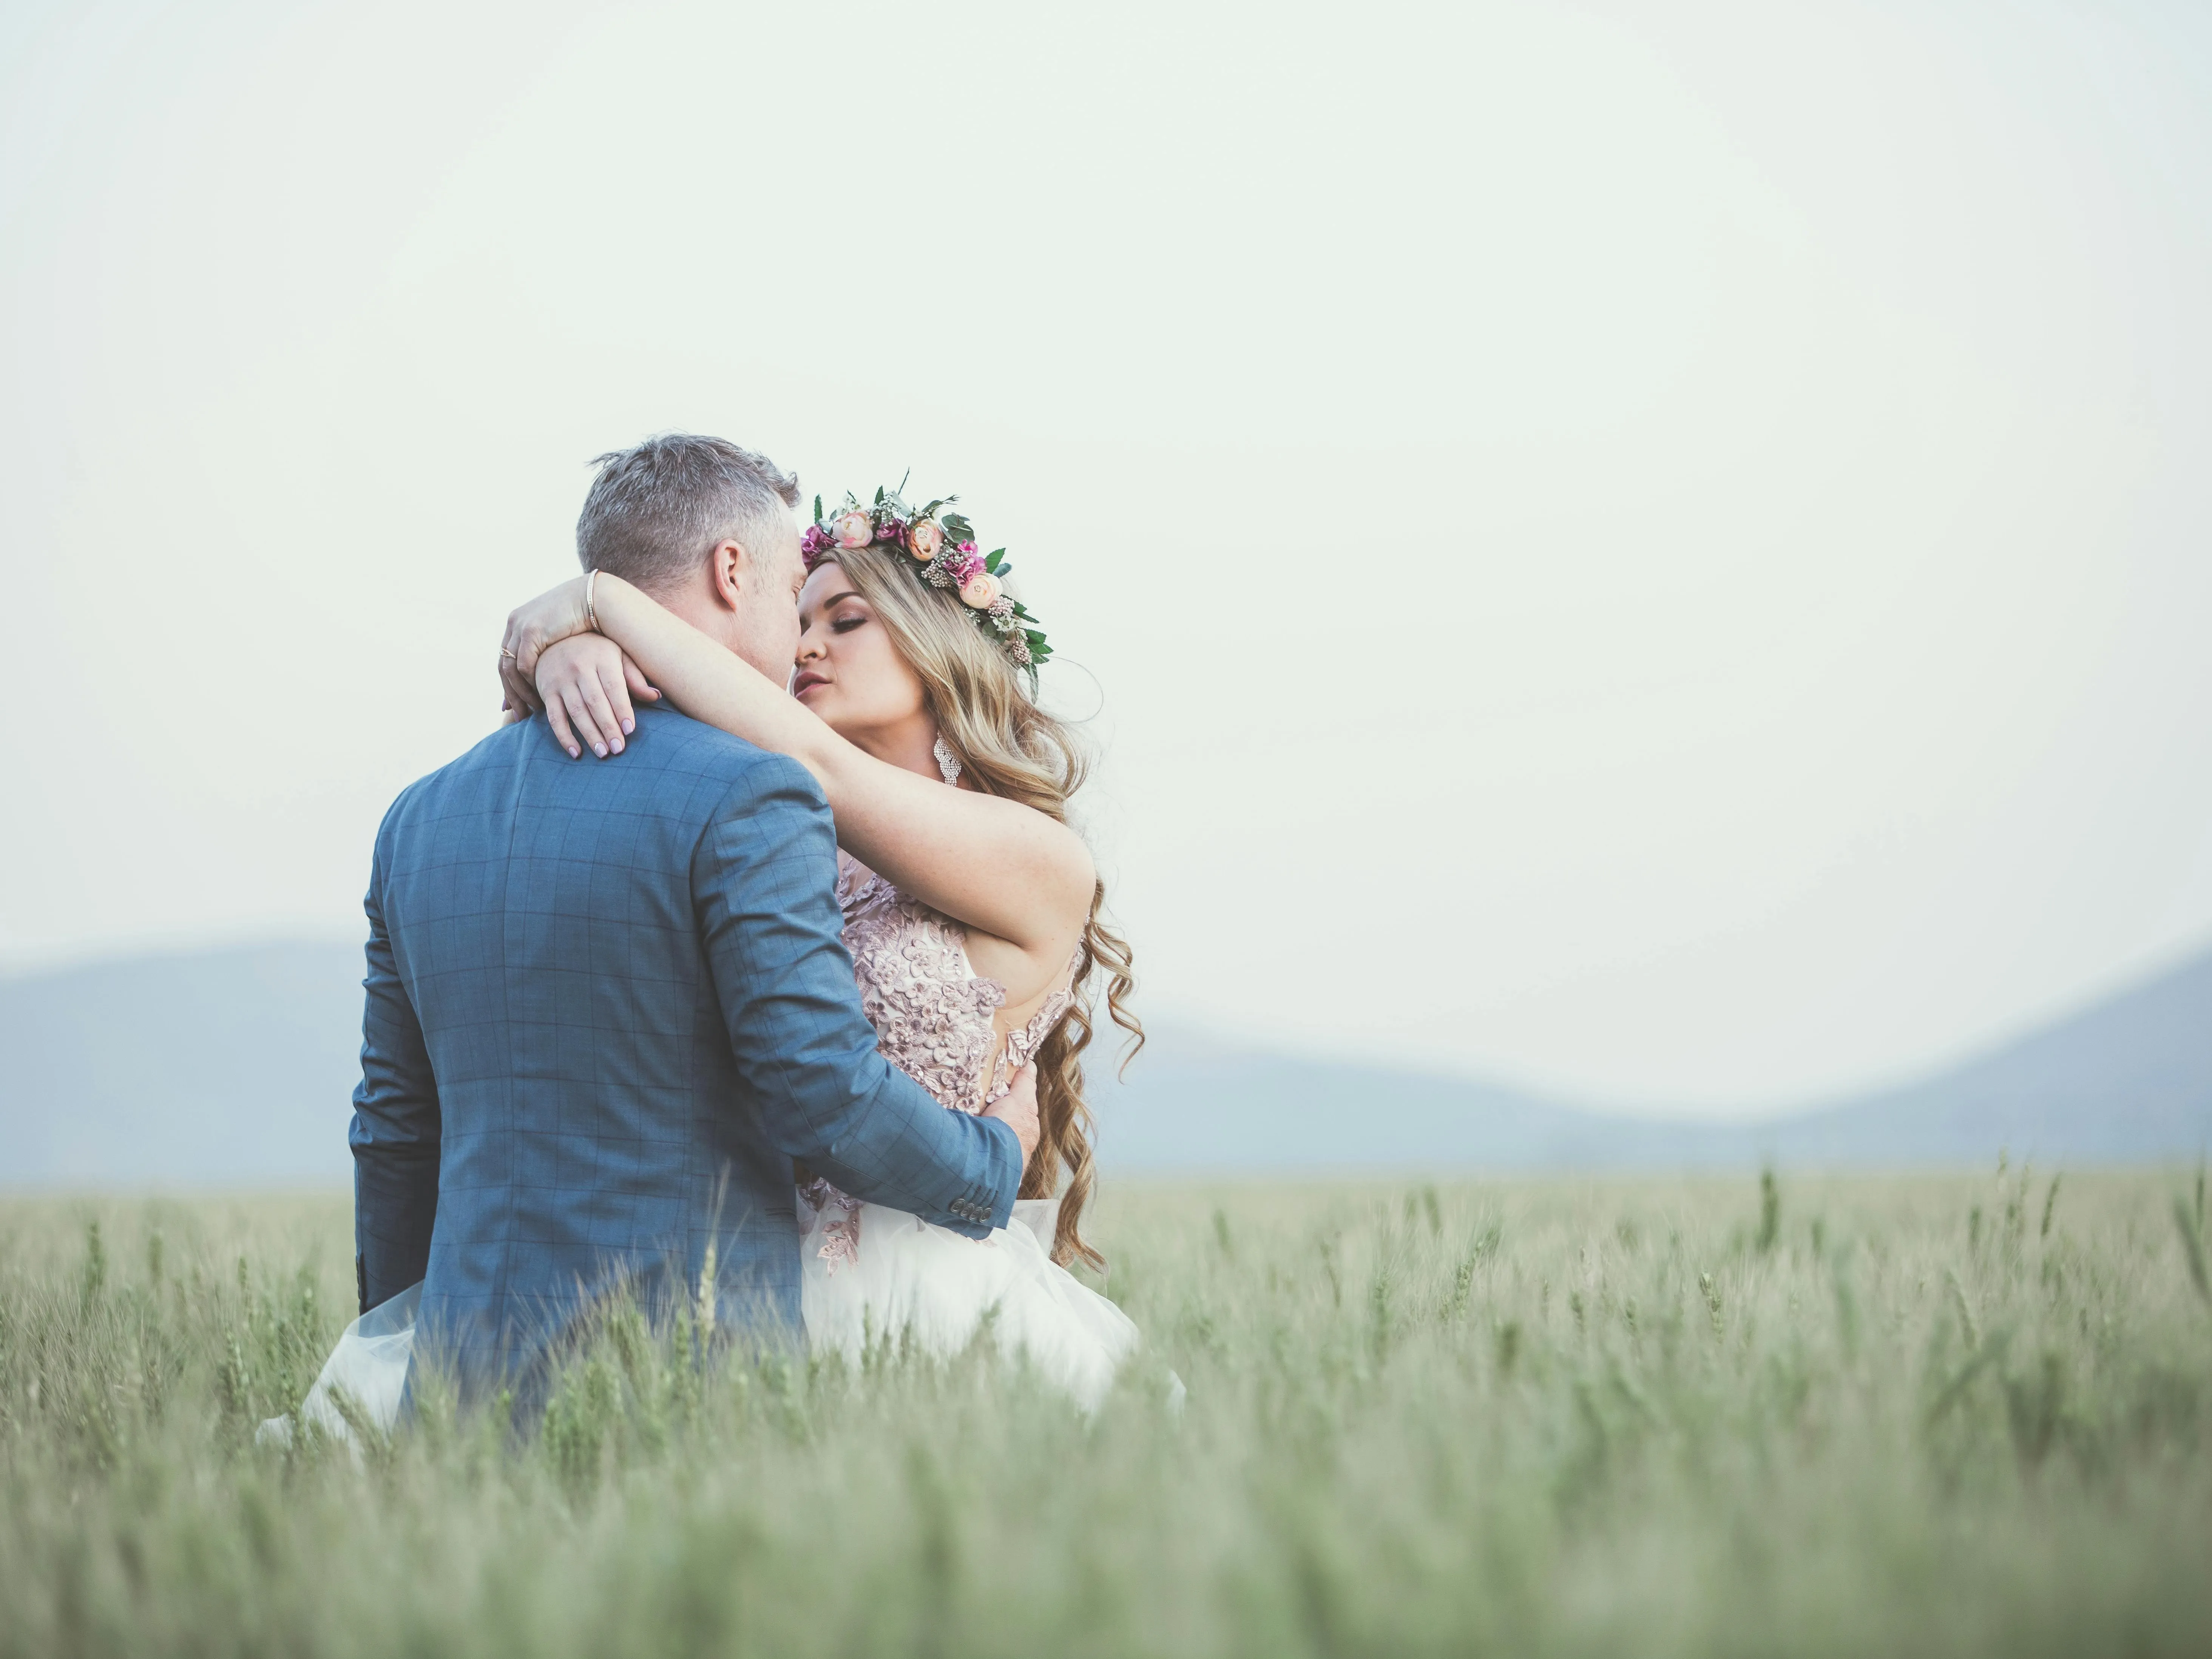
(841, 1234)
(933, 1016)
(931, 1012)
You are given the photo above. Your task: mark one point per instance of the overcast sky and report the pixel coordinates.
(1661, 552)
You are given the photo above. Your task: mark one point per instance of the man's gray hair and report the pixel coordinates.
(653, 513)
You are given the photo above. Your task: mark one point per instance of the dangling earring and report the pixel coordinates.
(948, 763)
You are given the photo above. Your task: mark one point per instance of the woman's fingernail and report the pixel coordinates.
(615, 745)
(628, 725)
(600, 749)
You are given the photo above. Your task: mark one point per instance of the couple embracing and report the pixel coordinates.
(777, 998)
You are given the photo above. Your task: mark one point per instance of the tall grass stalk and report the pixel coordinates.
(1586, 1418)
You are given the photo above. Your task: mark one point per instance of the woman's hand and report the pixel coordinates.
(586, 683)
(552, 616)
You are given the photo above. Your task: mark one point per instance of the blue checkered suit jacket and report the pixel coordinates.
(608, 1005)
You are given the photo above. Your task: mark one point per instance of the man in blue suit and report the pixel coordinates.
(609, 1005)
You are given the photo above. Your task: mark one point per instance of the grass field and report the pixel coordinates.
(1607, 1418)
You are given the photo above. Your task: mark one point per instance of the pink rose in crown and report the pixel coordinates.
(923, 539)
(980, 591)
(853, 530)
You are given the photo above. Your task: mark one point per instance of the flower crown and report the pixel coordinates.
(942, 546)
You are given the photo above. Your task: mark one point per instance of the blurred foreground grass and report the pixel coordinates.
(1633, 1417)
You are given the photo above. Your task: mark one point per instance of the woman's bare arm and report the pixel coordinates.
(1002, 868)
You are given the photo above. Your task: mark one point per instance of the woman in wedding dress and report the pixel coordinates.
(972, 909)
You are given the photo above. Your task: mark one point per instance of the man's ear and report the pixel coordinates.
(726, 568)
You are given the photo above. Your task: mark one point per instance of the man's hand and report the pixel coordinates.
(1017, 1110)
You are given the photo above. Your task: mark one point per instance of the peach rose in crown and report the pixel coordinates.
(851, 530)
(980, 591)
(923, 539)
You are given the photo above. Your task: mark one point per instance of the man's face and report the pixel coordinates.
(765, 629)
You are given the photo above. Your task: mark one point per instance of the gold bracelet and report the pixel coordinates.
(591, 586)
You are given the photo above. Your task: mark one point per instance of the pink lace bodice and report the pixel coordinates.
(935, 1016)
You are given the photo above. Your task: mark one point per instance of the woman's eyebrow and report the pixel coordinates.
(850, 593)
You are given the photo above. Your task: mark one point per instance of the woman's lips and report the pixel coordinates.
(806, 683)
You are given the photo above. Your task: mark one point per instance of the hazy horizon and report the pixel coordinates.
(1659, 559)
(1180, 1039)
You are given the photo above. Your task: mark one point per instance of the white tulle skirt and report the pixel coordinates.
(904, 1280)
(369, 1369)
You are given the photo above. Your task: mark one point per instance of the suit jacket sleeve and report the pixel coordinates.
(396, 1124)
(764, 886)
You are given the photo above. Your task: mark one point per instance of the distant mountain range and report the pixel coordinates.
(227, 1068)
(235, 1068)
(2126, 1080)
